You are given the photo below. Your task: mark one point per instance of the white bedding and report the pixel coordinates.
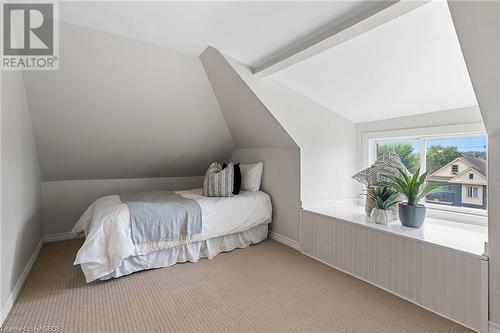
(106, 224)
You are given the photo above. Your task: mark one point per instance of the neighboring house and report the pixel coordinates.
(465, 182)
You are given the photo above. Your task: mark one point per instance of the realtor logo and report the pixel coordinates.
(29, 36)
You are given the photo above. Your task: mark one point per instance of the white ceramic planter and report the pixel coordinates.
(381, 216)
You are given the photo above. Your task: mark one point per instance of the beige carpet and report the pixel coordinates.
(263, 288)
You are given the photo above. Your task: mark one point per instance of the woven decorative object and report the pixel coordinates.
(387, 164)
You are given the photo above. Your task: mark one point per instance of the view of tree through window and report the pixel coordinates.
(442, 151)
(457, 163)
(408, 152)
(438, 156)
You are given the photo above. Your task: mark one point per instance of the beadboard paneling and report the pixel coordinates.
(443, 280)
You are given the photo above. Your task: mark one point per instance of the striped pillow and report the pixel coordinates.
(219, 182)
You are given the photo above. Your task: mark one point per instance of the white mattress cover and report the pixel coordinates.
(106, 224)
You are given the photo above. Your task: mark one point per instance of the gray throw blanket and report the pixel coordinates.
(161, 217)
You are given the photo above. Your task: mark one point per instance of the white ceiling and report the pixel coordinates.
(251, 32)
(408, 66)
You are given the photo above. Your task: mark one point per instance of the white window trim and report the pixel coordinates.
(474, 191)
(459, 214)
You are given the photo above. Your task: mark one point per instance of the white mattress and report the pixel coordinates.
(106, 224)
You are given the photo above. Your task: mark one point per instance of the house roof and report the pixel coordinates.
(482, 180)
(476, 164)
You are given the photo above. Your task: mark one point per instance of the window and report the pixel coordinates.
(472, 192)
(450, 160)
(408, 151)
(447, 188)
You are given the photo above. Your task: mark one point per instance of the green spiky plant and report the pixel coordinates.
(413, 187)
(383, 196)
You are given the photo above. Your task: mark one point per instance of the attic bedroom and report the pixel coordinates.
(240, 166)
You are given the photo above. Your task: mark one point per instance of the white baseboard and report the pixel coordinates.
(494, 327)
(19, 285)
(60, 237)
(285, 240)
(27, 269)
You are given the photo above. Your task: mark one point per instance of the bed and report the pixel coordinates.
(227, 223)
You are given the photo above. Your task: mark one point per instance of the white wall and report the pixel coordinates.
(327, 140)
(120, 115)
(477, 24)
(65, 201)
(120, 108)
(494, 226)
(21, 224)
(478, 28)
(251, 126)
(281, 180)
(259, 137)
(250, 122)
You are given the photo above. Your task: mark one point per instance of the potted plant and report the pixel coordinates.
(413, 188)
(384, 197)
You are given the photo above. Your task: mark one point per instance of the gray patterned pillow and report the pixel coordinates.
(219, 182)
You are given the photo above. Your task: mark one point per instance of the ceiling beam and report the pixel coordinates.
(375, 16)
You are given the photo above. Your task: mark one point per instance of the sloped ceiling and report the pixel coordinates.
(119, 108)
(410, 65)
(122, 108)
(250, 122)
(131, 98)
(250, 31)
(478, 28)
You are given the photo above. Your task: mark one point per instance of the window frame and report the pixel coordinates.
(474, 191)
(369, 155)
(470, 191)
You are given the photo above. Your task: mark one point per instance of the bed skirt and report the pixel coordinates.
(191, 252)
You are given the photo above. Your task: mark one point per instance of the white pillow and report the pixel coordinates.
(251, 175)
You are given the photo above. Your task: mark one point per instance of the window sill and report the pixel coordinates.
(458, 214)
(461, 237)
